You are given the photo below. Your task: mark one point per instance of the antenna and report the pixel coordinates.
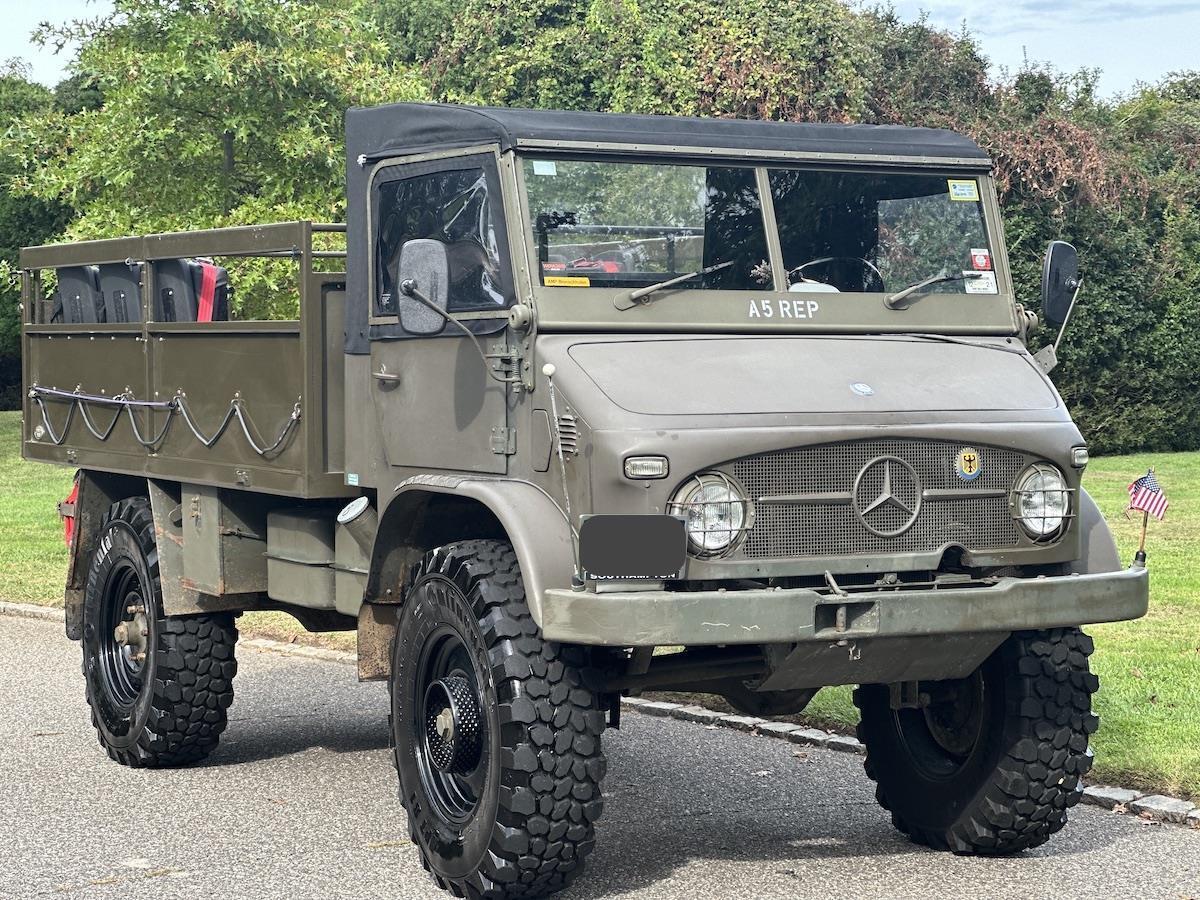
(577, 578)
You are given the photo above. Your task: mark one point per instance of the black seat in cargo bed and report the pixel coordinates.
(120, 284)
(79, 298)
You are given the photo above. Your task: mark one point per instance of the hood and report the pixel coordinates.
(762, 376)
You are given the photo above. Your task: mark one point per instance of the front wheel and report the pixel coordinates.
(496, 732)
(988, 764)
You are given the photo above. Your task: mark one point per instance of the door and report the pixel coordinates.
(437, 406)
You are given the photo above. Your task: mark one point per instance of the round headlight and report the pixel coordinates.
(715, 511)
(1041, 500)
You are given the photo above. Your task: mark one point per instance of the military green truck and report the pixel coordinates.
(600, 405)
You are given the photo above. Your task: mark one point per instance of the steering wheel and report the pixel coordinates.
(866, 264)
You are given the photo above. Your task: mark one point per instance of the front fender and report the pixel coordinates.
(533, 522)
(1097, 548)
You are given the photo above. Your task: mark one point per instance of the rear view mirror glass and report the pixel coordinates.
(425, 264)
(1060, 279)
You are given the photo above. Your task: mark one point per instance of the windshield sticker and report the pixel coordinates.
(980, 282)
(981, 260)
(767, 308)
(964, 191)
(544, 167)
(567, 281)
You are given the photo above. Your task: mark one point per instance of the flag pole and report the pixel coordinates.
(1139, 558)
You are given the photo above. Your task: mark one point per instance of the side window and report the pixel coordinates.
(457, 207)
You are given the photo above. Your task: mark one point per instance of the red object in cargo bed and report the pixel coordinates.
(208, 291)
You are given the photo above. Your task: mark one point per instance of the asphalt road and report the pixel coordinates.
(299, 802)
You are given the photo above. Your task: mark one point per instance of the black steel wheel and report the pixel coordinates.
(991, 763)
(453, 746)
(496, 732)
(158, 687)
(941, 736)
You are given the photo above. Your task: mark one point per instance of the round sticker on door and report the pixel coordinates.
(968, 464)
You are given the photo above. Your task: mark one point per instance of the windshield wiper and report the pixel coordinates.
(891, 301)
(639, 295)
(948, 339)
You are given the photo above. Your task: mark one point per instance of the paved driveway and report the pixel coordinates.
(299, 802)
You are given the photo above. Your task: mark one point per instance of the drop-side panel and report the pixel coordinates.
(275, 373)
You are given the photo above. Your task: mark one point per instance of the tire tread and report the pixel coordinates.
(1038, 777)
(194, 669)
(550, 722)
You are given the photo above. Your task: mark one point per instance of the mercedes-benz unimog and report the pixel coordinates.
(600, 405)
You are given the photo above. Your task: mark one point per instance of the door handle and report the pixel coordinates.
(385, 376)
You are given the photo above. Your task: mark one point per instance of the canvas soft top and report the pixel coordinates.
(405, 128)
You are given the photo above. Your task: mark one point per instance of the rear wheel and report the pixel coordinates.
(497, 732)
(158, 687)
(988, 764)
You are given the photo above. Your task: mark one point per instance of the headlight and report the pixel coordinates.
(1041, 500)
(715, 509)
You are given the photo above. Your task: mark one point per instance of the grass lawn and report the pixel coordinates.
(1149, 700)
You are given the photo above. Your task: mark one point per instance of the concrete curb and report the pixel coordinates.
(1152, 808)
(796, 734)
(30, 611)
(266, 645)
(1156, 808)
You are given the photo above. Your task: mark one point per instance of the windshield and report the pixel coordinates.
(852, 231)
(631, 225)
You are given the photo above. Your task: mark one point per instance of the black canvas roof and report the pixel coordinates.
(404, 128)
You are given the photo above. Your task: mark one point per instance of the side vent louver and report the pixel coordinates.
(568, 434)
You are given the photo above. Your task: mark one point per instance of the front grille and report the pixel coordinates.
(824, 523)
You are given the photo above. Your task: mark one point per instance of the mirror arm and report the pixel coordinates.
(409, 288)
(1070, 309)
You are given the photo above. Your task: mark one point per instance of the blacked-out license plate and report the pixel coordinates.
(633, 548)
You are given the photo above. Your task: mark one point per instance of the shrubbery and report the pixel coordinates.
(219, 111)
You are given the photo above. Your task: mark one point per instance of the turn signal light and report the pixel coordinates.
(642, 467)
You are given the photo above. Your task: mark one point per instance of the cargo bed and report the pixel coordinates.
(242, 404)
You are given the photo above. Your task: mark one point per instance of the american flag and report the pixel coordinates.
(1146, 495)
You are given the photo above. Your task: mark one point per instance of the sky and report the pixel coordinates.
(1128, 41)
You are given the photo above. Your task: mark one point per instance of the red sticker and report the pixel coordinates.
(981, 260)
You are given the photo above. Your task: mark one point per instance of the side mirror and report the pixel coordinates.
(424, 270)
(1060, 281)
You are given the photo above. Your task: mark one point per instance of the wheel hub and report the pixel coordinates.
(956, 720)
(452, 725)
(132, 635)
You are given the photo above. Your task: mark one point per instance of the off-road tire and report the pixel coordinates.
(533, 825)
(1015, 788)
(186, 683)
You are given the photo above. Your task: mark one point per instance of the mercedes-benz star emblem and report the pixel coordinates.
(887, 496)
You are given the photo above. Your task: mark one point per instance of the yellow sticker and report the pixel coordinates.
(567, 281)
(966, 191)
(968, 464)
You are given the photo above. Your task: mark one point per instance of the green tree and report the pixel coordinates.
(194, 113)
(214, 112)
(24, 220)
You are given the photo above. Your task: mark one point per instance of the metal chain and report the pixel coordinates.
(178, 404)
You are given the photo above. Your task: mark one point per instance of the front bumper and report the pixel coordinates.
(779, 616)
